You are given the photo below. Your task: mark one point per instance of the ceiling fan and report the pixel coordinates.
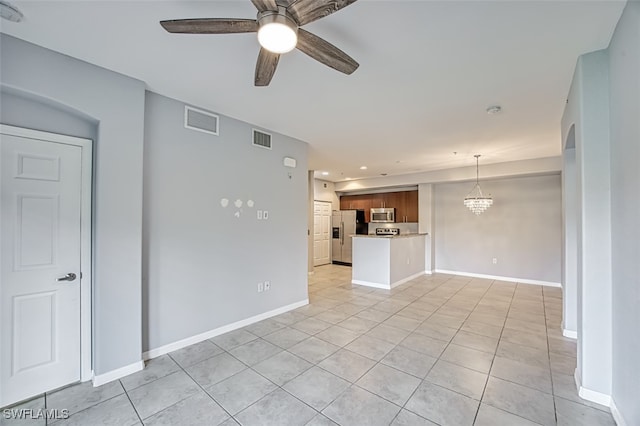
(278, 27)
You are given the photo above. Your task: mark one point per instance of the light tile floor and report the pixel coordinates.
(441, 349)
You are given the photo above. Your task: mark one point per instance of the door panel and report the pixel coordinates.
(321, 233)
(40, 228)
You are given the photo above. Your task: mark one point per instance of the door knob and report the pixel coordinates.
(69, 277)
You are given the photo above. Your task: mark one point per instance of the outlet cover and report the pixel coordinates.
(265, 215)
(495, 260)
(260, 287)
(267, 285)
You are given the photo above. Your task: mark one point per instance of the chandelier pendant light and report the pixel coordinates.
(475, 200)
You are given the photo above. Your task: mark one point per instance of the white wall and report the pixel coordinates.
(624, 80)
(115, 103)
(522, 229)
(201, 262)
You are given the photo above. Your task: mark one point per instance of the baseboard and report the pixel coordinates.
(101, 379)
(571, 334)
(617, 416)
(591, 395)
(500, 278)
(165, 349)
(405, 280)
(388, 286)
(428, 272)
(371, 284)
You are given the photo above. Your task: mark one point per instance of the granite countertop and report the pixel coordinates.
(389, 236)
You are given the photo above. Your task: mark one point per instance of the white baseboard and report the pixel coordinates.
(101, 379)
(371, 284)
(153, 353)
(617, 416)
(387, 286)
(571, 334)
(428, 272)
(591, 395)
(500, 278)
(405, 280)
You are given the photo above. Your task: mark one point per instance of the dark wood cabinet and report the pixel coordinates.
(405, 203)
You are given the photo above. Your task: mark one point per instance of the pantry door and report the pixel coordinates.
(41, 225)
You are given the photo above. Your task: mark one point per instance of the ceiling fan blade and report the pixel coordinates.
(263, 5)
(305, 11)
(266, 67)
(325, 52)
(210, 26)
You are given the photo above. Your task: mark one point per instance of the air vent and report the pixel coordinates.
(202, 121)
(261, 139)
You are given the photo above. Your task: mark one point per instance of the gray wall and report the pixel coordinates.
(116, 103)
(522, 229)
(587, 111)
(326, 191)
(624, 78)
(201, 262)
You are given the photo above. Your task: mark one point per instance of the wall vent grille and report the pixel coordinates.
(201, 121)
(261, 139)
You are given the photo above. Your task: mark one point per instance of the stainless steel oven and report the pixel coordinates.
(387, 215)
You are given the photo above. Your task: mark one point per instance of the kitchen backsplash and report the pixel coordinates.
(405, 228)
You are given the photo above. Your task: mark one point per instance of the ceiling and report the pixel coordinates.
(428, 71)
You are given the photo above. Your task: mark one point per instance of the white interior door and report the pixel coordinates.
(40, 226)
(321, 233)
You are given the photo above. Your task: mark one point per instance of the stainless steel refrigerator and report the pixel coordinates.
(345, 223)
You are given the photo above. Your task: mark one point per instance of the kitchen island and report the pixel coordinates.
(387, 261)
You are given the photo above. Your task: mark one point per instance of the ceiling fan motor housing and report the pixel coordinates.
(278, 31)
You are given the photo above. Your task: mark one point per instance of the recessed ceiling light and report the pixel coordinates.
(495, 109)
(325, 173)
(363, 168)
(10, 12)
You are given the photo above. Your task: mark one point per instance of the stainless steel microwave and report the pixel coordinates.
(383, 215)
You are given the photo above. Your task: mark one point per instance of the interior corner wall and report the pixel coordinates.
(427, 223)
(521, 230)
(116, 103)
(569, 240)
(624, 85)
(204, 256)
(326, 191)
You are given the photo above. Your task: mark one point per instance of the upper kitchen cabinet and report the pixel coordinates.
(405, 203)
(357, 202)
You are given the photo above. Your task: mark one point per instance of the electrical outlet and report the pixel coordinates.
(265, 215)
(495, 260)
(267, 285)
(408, 261)
(259, 214)
(260, 287)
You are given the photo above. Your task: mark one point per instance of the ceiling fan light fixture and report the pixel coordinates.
(277, 33)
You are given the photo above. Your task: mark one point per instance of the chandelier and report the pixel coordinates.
(475, 200)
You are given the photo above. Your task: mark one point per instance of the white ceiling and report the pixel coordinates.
(428, 71)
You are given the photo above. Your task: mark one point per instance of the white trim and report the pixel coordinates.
(571, 334)
(500, 278)
(86, 285)
(371, 284)
(118, 373)
(591, 395)
(153, 353)
(617, 416)
(388, 286)
(428, 272)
